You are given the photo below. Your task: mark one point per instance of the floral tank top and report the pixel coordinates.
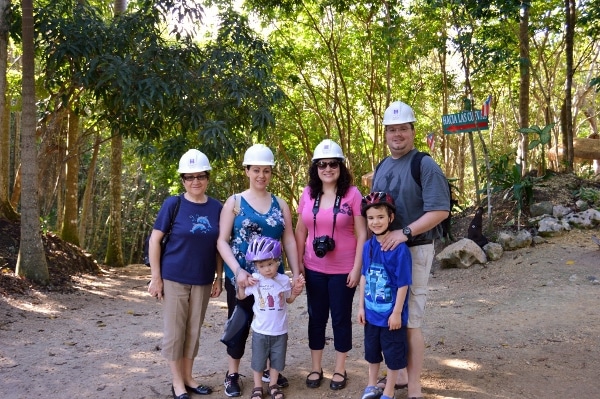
(250, 223)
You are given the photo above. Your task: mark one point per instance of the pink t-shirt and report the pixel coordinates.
(341, 259)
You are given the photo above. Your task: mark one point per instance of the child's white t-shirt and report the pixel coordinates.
(270, 306)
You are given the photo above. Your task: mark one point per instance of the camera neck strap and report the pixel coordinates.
(315, 210)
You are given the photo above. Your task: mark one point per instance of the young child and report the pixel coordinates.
(272, 293)
(383, 290)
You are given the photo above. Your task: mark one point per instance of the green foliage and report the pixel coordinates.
(588, 194)
(505, 175)
(543, 139)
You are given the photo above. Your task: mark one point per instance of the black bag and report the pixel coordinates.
(235, 325)
(165, 238)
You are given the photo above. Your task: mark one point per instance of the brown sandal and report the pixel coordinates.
(257, 392)
(275, 392)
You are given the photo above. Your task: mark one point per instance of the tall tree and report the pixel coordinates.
(31, 262)
(524, 67)
(6, 209)
(567, 115)
(114, 250)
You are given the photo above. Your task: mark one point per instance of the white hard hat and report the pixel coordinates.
(328, 149)
(193, 161)
(259, 154)
(398, 113)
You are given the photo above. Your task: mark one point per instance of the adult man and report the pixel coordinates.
(419, 209)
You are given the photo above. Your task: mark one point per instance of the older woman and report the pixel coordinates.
(183, 270)
(330, 235)
(246, 215)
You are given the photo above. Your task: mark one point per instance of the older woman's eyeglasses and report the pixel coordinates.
(189, 178)
(322, 165)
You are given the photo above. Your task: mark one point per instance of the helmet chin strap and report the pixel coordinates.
(384, 232)
(386, 229)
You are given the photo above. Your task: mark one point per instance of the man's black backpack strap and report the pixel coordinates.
(415, 166)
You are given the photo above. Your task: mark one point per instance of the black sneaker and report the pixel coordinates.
(232, 385)
(281, 380)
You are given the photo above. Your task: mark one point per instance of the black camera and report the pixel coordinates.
(322, 245)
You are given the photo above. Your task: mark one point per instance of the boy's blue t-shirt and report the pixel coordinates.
(385, 272)
(190, 256)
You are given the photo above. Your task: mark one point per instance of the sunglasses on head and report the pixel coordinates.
(322, 165)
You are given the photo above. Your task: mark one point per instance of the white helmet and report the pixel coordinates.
(328, 149)
(398, 113)
(259, 154)
(193, 161)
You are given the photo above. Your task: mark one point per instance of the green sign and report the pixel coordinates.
(466, 121)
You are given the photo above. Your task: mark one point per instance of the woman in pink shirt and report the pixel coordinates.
(330, 235)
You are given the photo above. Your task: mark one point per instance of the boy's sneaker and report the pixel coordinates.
(281, 380)
(372, 392)
(232, 385)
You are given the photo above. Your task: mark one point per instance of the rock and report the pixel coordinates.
(461, 254)
(583, 220)
(541, 208)
(511, 242)
(552, 227)
(493, 250)
(539, 240)
(582, 205)
(560, 211)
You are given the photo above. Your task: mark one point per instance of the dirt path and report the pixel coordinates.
(525, 326)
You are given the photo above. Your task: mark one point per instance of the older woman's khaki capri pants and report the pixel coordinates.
(184, 308)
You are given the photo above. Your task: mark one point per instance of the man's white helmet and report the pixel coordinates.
(398, 113)
(193, 161)
(259, 154)
(328, 149)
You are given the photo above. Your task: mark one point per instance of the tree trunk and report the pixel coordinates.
(524, 66)
(114, 250)
(568, 115)
(31, 262)
(69, 231)
(6, 209)
(86, 202)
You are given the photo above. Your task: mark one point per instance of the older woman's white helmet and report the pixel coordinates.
(398, 113)
(259, 154)
(328, 149)
(193, 161)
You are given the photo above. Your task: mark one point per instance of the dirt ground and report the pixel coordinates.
(525, 326)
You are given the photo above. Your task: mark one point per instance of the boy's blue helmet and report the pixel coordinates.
(263, 248)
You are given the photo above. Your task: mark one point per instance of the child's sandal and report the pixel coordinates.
(257, 392)
(275, 392)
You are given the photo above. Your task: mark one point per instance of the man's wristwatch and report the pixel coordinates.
(407, 232)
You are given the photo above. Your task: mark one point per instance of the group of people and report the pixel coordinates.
(381, 243)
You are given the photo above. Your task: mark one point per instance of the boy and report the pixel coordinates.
(383, 290)
(272, 293)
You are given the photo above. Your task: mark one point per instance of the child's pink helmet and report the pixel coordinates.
(263, 248)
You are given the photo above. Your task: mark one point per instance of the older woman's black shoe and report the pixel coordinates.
(336, 385)
(182, 396)
(200, 390)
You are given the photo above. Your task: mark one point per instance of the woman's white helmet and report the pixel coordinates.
(328, 149)
(398, 113)
(259, 154)
(193, 161)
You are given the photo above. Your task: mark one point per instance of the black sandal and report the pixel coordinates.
(275, 392)
(257, 392)
(316, 382)
(337, 385)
